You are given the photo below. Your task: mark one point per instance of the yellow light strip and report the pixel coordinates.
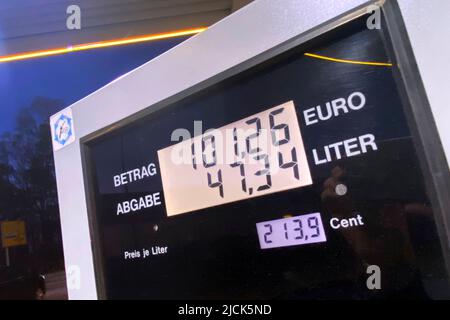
(99, 44)
(368, 63)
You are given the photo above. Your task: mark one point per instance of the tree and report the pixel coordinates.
(27, 177)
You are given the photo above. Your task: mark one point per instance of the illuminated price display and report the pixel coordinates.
(292, 231)
(254, 156)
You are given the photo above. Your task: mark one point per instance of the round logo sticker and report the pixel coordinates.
(62, 129)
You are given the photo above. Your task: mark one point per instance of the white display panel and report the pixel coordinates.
(254, 156)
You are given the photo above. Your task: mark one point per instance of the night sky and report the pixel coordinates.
(68, 77)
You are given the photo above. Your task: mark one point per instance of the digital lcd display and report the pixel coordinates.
(292, 231)
(258, 155)
(318, 178)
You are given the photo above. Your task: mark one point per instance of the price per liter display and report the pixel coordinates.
(251, 157)
(293, 231)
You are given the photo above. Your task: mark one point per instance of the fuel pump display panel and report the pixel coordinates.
(286, 180)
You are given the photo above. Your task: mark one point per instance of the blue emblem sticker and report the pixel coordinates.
(62, 129)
